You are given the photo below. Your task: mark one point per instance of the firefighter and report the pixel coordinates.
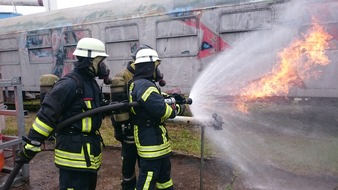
(78, 146)
(123, 128)
(150, 133)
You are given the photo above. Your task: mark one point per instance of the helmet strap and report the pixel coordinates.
(89, 53)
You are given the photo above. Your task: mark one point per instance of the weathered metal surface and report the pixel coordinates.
(187, 34)
(22, 2)
(111, 11)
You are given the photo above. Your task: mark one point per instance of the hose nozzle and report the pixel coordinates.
(218, 122)
(172, 100)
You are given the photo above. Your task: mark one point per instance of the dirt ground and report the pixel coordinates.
(185, 172)
(218, 174)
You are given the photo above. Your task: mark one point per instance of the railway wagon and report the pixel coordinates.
(188, 35)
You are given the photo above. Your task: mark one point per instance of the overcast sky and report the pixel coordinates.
(60, 4)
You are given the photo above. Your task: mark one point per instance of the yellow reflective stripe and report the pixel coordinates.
(87, 121)
(154, 154)
(132, 110)
(164, 132)
(147, 93)
(131, 98)
(32, 148)
(76, 163)
(76, 156)
(154, 147)
(148, 180)
(151, 151)
(165, 185)
(168, 111)
(88, 104)
(86, 124)
(76, 160)
(178, 108)
(42, 127)
(136, 139)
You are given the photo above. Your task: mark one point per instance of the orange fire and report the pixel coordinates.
(297, 63)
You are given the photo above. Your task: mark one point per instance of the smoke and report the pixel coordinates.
(276, 145)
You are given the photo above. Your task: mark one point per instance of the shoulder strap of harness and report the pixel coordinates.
(79, 84)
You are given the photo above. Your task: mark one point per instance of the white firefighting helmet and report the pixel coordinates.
(91, 48)
(146, 55)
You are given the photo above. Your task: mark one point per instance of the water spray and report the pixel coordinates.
(215, 121)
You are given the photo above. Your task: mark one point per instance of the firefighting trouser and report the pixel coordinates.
(155, 173)
(129, 157)
(84, 180)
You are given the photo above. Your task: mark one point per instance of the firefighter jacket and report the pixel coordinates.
(151, 136)
(78, 146)
(127, 74)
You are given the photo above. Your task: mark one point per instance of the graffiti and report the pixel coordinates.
(65, 43)
(206, 45)
(211, 42)
(133, 48)
(39, 50)
(33, 41)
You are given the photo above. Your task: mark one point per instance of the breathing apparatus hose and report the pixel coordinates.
(67, 122)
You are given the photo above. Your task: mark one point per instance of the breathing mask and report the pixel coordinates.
(99, 68)
(158, 76)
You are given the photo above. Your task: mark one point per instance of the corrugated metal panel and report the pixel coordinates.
(8, 14)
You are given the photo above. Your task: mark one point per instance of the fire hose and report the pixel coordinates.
(71, 120)
(63, 124)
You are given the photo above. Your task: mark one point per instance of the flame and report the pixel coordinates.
(297, 63)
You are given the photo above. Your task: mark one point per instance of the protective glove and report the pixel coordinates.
(107, 80)
(27, 153)
(179, 98)
(177, 108)
(180, 108)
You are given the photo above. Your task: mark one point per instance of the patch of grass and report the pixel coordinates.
(11, 124)
(186, 139)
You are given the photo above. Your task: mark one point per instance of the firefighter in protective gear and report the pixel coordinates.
(150, 133)
(123, 128)
(78, 146)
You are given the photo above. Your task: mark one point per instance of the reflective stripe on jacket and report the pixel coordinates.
(151, 136)
(78, 146)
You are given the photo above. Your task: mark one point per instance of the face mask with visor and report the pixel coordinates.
(99, 68)
(158, 76)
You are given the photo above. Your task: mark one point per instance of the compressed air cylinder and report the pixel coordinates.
(118, 93)
(47, 82)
